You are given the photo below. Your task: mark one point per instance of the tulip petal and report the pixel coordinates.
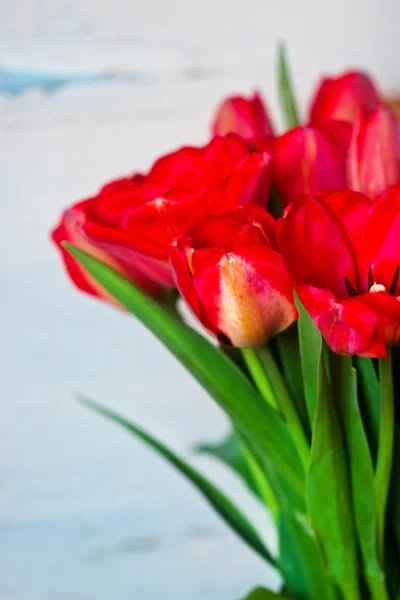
(383, 235)
(72, 229)
(246, 117)
(184, 280)
(343, 97)
(374, 154)
(109, 206)
(309, 160)
(75, 271)
(387, 308)
(352, 209)
(157, 222)
(250, 181)
(315, 246)
(183, 169)
(247, 296)
(249, 225)
(131, 223)
(349, 326)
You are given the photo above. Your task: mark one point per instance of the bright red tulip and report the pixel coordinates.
(311, 159)
(71, 229)
(343, 253)
(247, 117)
(343, 97)
(374, 155)
(229, 272)
(131, 223)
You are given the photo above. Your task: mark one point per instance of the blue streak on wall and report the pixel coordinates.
(17, 81)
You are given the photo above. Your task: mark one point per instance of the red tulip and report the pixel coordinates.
(247, 117)
(229, 272)
(132, 222)
(342, 98)
(311, 159)
(343, 253)
(71, 229)
(374, 155)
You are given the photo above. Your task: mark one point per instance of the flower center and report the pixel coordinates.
(374, 287)
(377, 287)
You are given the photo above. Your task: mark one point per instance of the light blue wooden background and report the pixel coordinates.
(85, 511)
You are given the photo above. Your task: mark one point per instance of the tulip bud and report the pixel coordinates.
(311, 159)
(374, 154)
(343, 97)
(248, 118)
(231, 275)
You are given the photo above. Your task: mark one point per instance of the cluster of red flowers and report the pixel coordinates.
(200, 221)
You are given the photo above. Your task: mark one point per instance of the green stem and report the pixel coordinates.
(257, 372)
(286, 405)
(369, 400)
(385, 450)
(276, 383)
(377, 587)
(261, 482)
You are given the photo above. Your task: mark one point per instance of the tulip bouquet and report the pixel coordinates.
(287, 249)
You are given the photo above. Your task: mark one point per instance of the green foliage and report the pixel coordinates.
(395, 492)
(286, 93)
(301, 561)
(230, 452)
(310, 342)
(361, 469)
(289, 356)
(225, 382)
(263, 594)
(328, 495)
(309, 439)
(369, 400)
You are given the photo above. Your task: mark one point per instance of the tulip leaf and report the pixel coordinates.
(230, 452)
(212, 368)
(221, 503)
(241, 458)
(310, 342)
(286, 93)
(292, 568)
(392, 568)
(328, 495)
(263, 594)
(300, 561)
(370, 399)
(289, 355)
(262, 482)
(395, 491)
(285, 403)
(362, 478)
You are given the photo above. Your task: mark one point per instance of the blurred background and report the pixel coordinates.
(91, 90)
